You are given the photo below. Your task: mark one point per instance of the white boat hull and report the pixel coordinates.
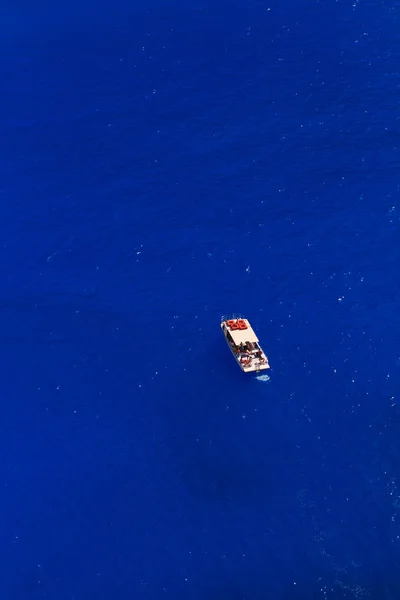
(244, 345)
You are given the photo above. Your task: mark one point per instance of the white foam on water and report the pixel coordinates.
(263, 377)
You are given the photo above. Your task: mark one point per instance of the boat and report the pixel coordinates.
(244, 344)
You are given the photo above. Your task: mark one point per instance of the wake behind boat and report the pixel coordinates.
(244, 345)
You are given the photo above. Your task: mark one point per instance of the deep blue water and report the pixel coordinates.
(162, 165)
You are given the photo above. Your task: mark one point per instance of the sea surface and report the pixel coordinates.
(163, 164)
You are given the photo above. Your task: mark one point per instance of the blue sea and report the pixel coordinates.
(164, 164)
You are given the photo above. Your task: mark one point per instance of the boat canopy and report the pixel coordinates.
(241, 336)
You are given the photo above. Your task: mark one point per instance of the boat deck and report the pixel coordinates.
(245, 348)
